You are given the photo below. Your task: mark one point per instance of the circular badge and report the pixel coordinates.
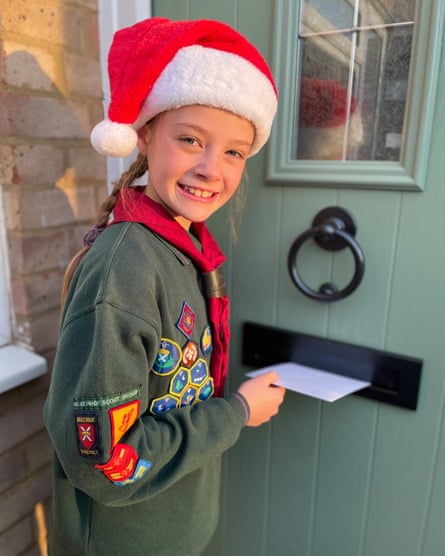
(168, 357)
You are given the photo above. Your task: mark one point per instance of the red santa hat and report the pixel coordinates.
(325, 110)
(158, 64)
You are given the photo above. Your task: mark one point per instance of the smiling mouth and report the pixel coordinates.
(198, 192)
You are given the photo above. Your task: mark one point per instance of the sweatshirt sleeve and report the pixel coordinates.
(98, 415)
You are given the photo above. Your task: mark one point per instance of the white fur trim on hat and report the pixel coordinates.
(210, 77)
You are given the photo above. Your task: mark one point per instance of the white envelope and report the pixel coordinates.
(313, 382)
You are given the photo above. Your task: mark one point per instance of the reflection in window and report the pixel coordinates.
(354, 58)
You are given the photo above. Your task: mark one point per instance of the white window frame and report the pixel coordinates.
(113, 15)
(17, 364)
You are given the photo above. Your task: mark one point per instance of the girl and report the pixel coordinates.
(136, 410)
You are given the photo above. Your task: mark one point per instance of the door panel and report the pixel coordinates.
(356, 477)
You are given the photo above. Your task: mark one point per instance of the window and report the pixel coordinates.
(17, 365)
(356, 83)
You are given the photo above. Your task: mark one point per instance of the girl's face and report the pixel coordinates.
(196, 157)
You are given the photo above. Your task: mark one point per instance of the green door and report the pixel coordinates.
(356, 477)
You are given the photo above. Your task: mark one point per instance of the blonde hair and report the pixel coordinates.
(136, 170)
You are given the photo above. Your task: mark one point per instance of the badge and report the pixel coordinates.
(121, 465)
(95, 404)
(122, 419)
(87, 428)
(141, 468)
(206, 390)
(186, 321)
(206, 341)
(190, 353)
(199, 372)
(161, 405)
(168, 358)
(179, 381)
(189, 396)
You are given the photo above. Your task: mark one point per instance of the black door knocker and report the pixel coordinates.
(333, 229)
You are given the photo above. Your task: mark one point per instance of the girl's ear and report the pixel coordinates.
(143, 134)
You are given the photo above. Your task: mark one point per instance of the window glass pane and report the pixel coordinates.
(353, 79)
(319, 15)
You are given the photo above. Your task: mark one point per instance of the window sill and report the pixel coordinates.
(19, 365)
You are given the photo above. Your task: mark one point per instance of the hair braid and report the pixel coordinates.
(136, 170)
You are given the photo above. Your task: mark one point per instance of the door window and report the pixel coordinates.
(356, 80)
(354, 60)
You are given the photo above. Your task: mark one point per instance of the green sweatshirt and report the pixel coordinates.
(137, 435)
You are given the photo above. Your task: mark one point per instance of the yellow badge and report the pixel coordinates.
(122, 419)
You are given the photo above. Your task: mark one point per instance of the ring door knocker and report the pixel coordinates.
(333, 229)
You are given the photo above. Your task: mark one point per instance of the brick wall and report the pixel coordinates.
(53, 182)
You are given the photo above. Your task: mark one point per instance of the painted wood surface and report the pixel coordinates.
(353, 478)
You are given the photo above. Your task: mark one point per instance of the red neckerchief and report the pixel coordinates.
(138, 207)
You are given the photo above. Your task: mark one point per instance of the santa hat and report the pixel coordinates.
(158, 64)
(325, 110)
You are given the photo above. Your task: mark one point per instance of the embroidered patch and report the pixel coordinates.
(190, 353)
(168, 357)
(206, 341)
(199, 372)
(206, 390)
(122, 418)
(141, 468)
(189, 396)
(186, 321)
(87, 429)
(161, 405)
(90, 404)
(121, 465)
(179, 381)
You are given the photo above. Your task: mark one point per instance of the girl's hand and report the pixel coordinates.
(263, 397)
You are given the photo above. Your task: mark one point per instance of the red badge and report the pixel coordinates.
(186, 321)
(121, 465)
(88, 434)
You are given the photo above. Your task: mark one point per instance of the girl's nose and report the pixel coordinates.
(208, 166)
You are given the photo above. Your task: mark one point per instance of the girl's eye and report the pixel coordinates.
(236, 154)
(189, 140)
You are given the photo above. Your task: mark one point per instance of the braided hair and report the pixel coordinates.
(136, 170)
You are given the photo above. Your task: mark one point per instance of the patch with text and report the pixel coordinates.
(88, 437)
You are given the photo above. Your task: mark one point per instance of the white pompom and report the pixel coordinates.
(113, 139)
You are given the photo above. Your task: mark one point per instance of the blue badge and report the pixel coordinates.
(199, 372)
(168, 357)
(189, 396)
(179, 381)
(161, 405)
(206, 341)
(206, 390)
